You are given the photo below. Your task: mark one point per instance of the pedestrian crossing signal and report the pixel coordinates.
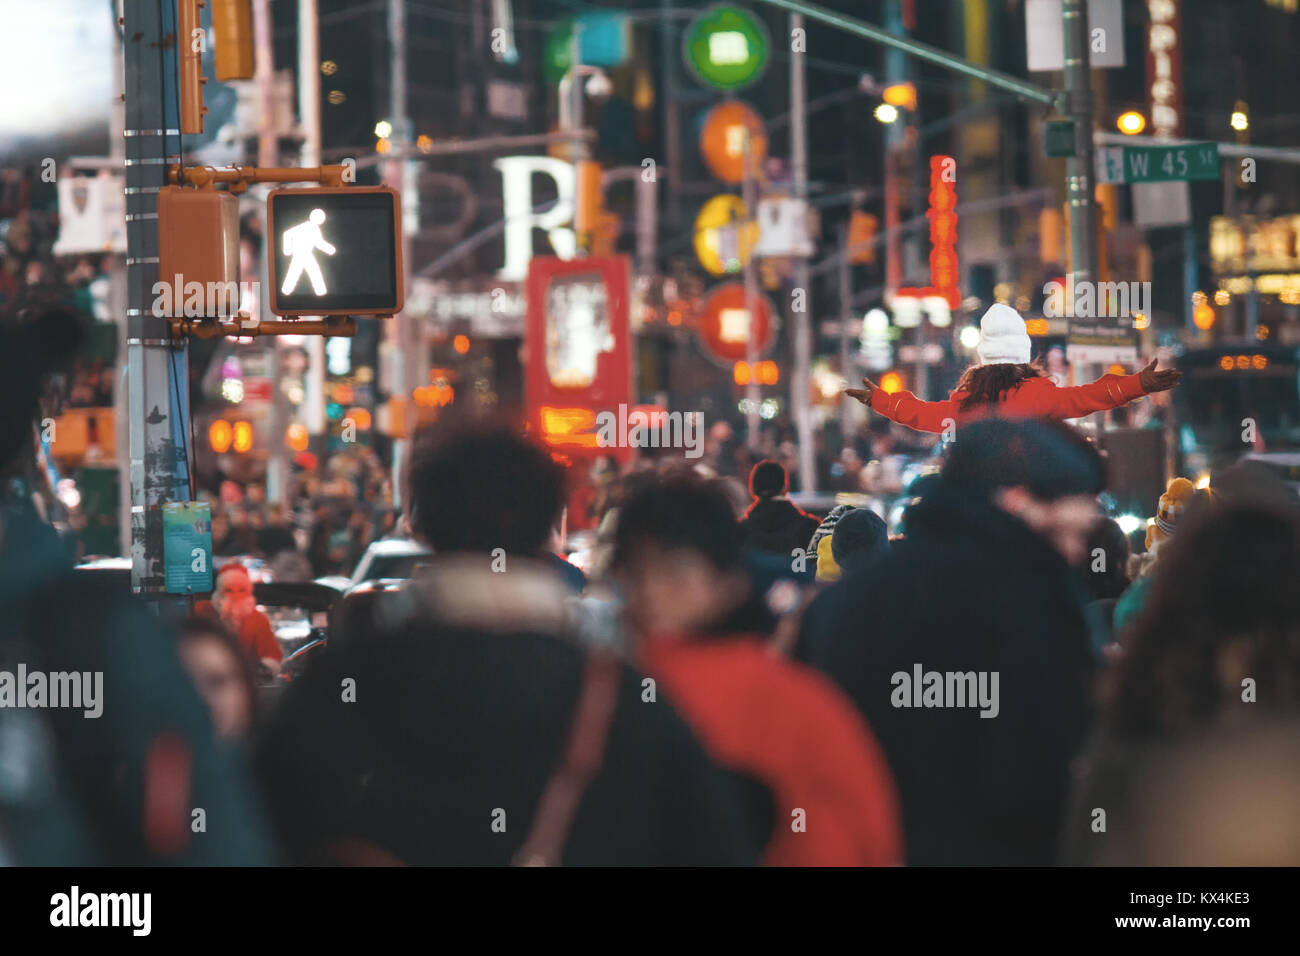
(334, 251)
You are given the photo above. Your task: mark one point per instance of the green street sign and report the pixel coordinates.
(1157, 164)
(726, 47)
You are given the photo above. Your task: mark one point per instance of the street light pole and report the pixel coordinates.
(801, 324)
(313, 403)
(748, 195)
(157, 364)
(1079, 167)
(404, 345)
(846, 313)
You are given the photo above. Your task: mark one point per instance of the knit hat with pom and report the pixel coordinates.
(1003, 339)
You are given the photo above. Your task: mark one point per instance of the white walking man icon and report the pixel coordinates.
(300, 244)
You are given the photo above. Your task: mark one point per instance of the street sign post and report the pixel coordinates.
(334, 251)
(1158, 164)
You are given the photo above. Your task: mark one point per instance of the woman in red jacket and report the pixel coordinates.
(1005, 384)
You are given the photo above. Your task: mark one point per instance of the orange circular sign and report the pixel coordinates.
(723, 140)
(725, 324)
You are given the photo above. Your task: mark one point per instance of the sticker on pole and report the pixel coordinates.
(335, 251)
(187, 547)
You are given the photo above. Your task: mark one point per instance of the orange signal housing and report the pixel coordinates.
(232, 22)
(191, 66)
(198, 241)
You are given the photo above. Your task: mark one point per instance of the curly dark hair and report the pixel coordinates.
(986, 384)
(683, 511)
(1223, 607)
(482, 485)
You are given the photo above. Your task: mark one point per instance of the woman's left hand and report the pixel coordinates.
(863, 394)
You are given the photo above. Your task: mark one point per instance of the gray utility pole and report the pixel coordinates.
(117, 303)
(672, 122)
(157, 366)
(1079, 168)
(313, 400)
(277, 468)
(846, 315)
(800, 321)
(403, 343)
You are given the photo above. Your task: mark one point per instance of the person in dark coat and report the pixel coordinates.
(966, 648)
(773, 523)
(433, 739)
(108, 771)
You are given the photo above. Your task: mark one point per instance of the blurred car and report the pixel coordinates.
(390, 558)
(1283, 465)
(117, 570)
(298, 610)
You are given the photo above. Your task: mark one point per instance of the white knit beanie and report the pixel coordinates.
(1003, 338)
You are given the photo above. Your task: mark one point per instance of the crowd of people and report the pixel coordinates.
(731, 682)
(331, 515)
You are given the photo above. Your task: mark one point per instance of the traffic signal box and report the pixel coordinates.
(232, 22)
(191, 45)
(198, 242)
(334, 251)
(232, 55)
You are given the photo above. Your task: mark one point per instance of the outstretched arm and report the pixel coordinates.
(1111, 391)
(905, 408)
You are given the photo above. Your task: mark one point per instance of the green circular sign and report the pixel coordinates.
(726, 47)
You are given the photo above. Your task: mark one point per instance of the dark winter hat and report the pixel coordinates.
(767, 480)
(1049, 459)
(859, 536)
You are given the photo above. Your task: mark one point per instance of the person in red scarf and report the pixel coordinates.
(821, 792)
(1004, 384)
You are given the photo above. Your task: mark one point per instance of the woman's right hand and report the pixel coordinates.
(863, 394)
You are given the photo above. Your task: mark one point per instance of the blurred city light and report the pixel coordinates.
(1129, 523)
(219, 436)
(891, 382)
(1131, 123)
(296, 437)
(886, 113)
(901, 95)
(242, 437)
